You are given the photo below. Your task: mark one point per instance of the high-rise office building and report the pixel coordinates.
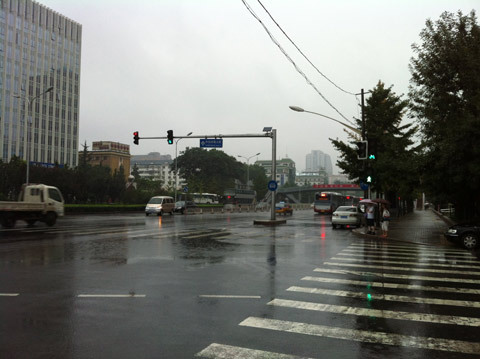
(317, 160)
(39, 83)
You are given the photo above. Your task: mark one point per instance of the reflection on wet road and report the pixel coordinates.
(216, 286)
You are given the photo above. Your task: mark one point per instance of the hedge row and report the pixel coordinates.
(96, 208)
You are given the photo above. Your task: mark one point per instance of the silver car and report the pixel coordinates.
(159, 205)
(346, 216)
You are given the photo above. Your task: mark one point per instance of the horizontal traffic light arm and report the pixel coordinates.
(268, 134)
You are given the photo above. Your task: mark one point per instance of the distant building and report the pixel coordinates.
(156, 167)
(285, 170)
(310, 178)
(316, 161)
(113, 155)
(338, 179)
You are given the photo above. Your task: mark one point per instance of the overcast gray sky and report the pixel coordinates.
(209, 67)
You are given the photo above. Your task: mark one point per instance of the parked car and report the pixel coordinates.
(346, 216)
(159, 205)
(467, 234)
(283, 208)
(182, 206)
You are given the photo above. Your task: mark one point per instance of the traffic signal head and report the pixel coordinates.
(362, 150)
(170, 137)
(135, 138)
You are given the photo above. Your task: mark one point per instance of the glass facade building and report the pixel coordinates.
(39, 49)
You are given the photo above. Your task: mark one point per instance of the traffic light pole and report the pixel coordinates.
(272, 133)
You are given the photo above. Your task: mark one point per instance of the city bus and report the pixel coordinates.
(206, 198)
(327, 202)
(351, 200)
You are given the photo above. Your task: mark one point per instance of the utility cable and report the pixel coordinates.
(291, 60)
(301, 52)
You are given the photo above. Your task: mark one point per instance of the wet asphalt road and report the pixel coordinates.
(216, 286)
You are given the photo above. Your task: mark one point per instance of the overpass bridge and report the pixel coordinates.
(307, 194)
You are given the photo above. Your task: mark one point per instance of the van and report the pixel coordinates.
(159, 205)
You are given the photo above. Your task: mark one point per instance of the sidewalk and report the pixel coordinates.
(420, 227)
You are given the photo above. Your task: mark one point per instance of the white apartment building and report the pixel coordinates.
(40, 50)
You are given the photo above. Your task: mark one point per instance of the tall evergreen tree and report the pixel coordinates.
(393, 169)
(445, 93)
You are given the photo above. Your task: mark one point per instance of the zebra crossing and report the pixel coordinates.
(427, 298)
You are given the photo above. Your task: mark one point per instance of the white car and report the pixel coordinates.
(346, 216)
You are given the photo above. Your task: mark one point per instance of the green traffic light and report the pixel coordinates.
(371, 157)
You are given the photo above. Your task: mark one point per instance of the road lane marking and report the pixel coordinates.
(388, 314)
(412, 247)
(9, 294)
(408, 269)
(413, 258)
(363, 260)
(230, 296)
(221, 351)
(112, 295)
(448, 345)
(393, 285)
(405, 252)
(387, 297)
(397, 276)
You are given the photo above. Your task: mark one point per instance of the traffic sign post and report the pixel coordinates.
(272, 185)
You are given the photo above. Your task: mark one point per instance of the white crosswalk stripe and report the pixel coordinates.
(387, 297)
(375, 269)
(364, 336)
(407, 269)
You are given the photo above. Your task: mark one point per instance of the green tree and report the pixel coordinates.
(209, 171)
(393, 171)
(445, 94)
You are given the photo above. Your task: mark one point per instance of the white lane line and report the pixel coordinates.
(211, 234)
(9, 294)
(364, 335)
(393, 285)
(221, 351)
(387, 297)
(388, 314)
(408, 269)
(363, 260)
(397, 276)
(230, 296)
(412, 252)
(112, 295)
(412, 247)
(434, 258)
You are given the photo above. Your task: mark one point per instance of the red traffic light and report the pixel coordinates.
(135, 138)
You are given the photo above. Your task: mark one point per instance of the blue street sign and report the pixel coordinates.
(185, 189)
(364, 186)
(211, 142)
(272, 185)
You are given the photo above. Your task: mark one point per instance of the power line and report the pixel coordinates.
(301, 52)
(291, 60)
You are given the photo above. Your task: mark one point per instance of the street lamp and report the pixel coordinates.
(176, 168)
(29, 101)
(248, 166)
(299, 109)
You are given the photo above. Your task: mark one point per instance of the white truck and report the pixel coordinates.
(36, 202)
